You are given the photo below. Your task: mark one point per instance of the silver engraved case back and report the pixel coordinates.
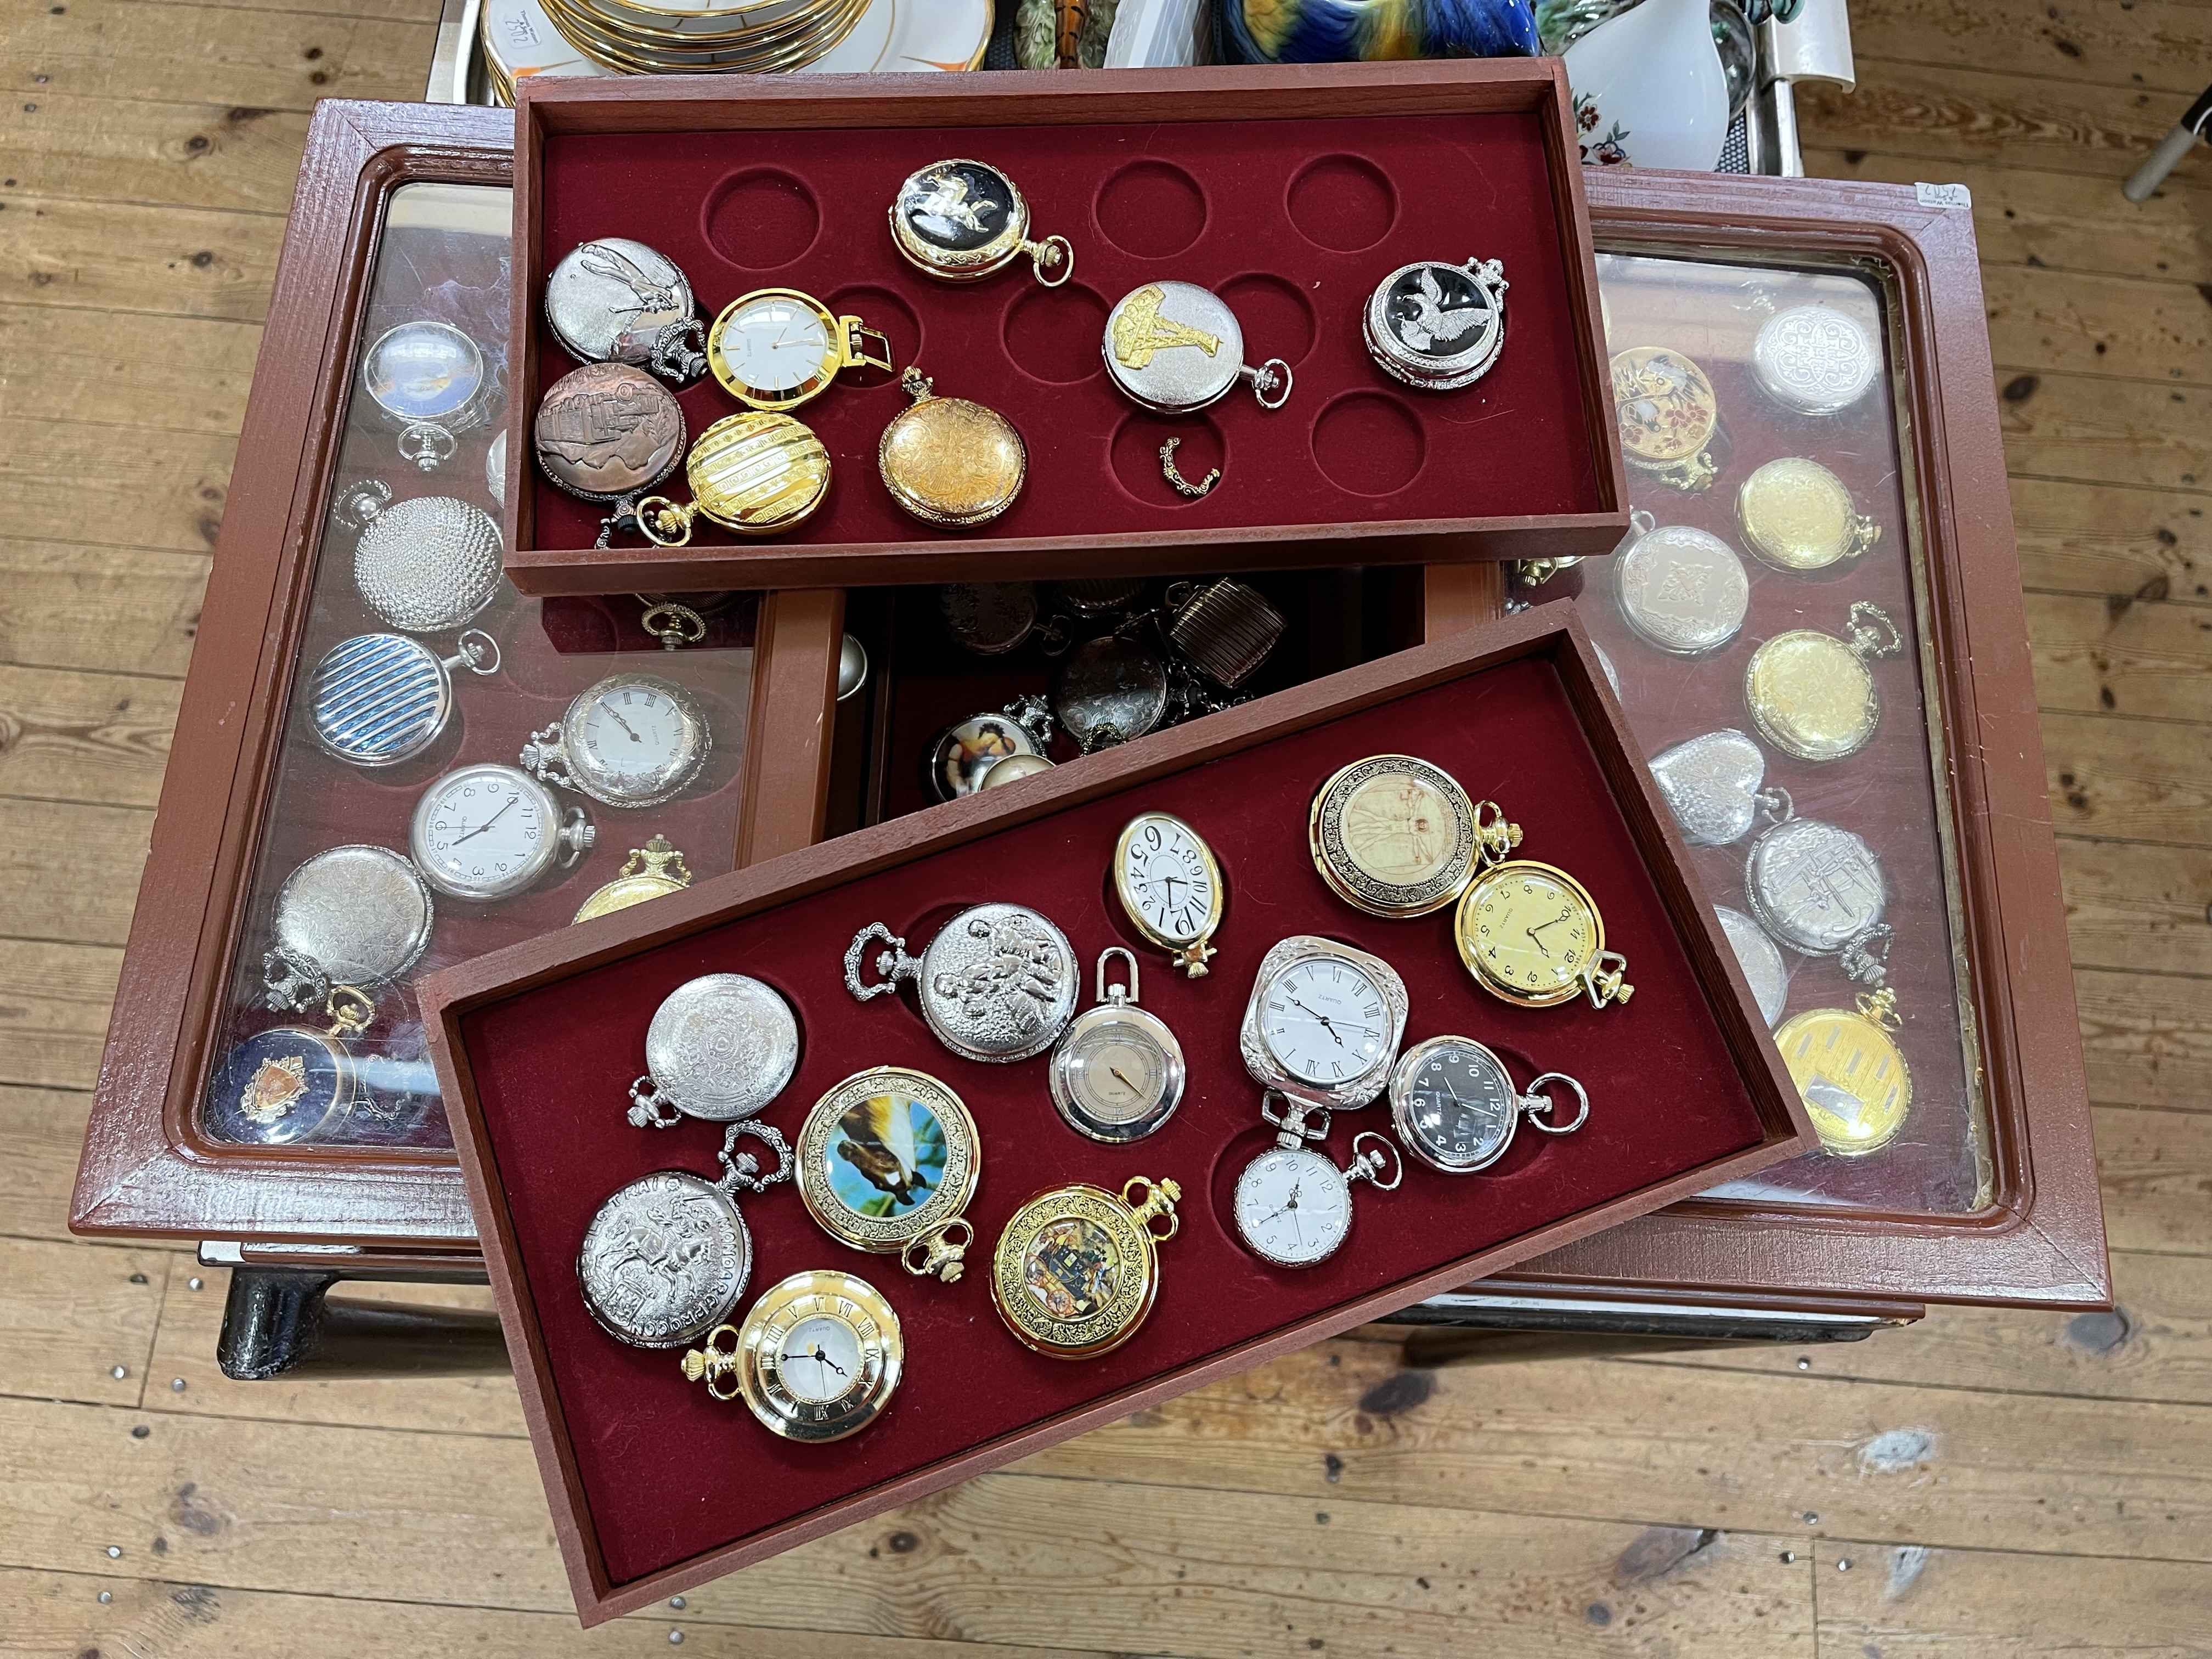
(429, 564)
(722, 1047)
(664, 1260)
(360, 916)
(1814, 886)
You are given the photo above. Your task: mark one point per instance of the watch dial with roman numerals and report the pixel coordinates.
(1324, 1020)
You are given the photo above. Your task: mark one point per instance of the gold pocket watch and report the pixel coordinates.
(1531, 934)
(1398, 837)
(1171, 888)
(1812, 696)
(961, 221)
(817, 1358)
(1076, 1269)
(887, 1159)
(755, 473)
(776, 348)
(1850, 1072)
(649, 872)
(1796, 515)
(1669, 415)
(948, 461)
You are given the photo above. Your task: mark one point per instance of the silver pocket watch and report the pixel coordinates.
(1456, 1107)
(1680, 588)
(355, 916)
(1118, 1073)
(1323, 1023)
(379, 699)
(1435, 325)
(629, 740)
(1175, 348)
(998, 983)
(427, 565)
(614, 300)
(487, 832)
(429, 383)
(1715, 784)
(719, 1048)
(1814, 359)
(1764, 970)
(666, 1257)
(1292, 1205)
(1820, 889)
(1112, 689)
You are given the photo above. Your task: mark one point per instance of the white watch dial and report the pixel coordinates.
(633, 739)
(776, 344)
(1164, 875)
(484, 832)
(1293, 1206)
(1324, 1020)
(819, 1359)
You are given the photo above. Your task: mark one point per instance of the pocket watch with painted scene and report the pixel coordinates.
(1397, 838)
(1323, 1022)
(1171, 888)
(961, 221)
(776, 348)
(629, 740)
(488, 832)
(1077, 1270)
(888, 1161)
(817, 1358)
(1531, 934)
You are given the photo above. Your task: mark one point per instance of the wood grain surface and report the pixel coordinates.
(1983, 1483)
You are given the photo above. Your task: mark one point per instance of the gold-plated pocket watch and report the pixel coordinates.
(292, 1083)
(1171, 888)
(1669, 415)
(650, 872)
(962, 220)
(1812, 694)
(818, 1358)
(1531, 934)
(949, 461)
(776, 348)
(1076, 1269)
(1846, 1064)
(887, 1159)
(1797, 515)
(1397, 838)
(755, 473)
(1118, 1073)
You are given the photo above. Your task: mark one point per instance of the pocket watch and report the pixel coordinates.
(1171, 888)
(291, 1082)
(612, 300)
(1174, 347)
(755, 473)
(962, 220)
(1820, 889)
(776, 348)
(1293, 1207)
(1437, 325)
(719, 1048)
(1396, 837)
(379, 699)
(1813, 359)
(887, 1162)
(606, 431)
(1224, 629)
(1797, 515)
(1850, 1072)
(653, 870)
(1013, 769)
(1680, 588)
(1762, 965)
(358, 916)
(630, 740)
(948, 461)
(1093, 597)
(993, 618)
(1715, 786)
(997, 983)
(429, 384)
(1112, 689)
(487, 832)
(1076, 1269)
(817, 1358)
(1812, 696)
(1453, 1105)
(1323, 1023)
(1118, 1073)
(666, 1257)
(495, 468)
(1669, 415)
(963, 757)
(426, 565)
(1531, 934)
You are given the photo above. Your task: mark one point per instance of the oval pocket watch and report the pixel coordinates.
(358, 916)
(1292, 1206)
(1813, 359)
(997, 983)
(1715, 787)
(818, 1358)
(948, 461)
(612, 300)
(606, 431)
(1669, 415)
(630, 740)
(1323, 1023)
(963, 757)
(1175, 347)
(1076, 1269)
(1118, 1075)
(488, 832)
(1171, 888)
(430, 385)
(1819, 889)
(1845, 1062)
(1437, 325)
(1796, 515)
(964, 220)
(1681, 589)
(651, 871)
(1531, 934)
(719, 1047)
(1812, 695)
(1455, 1105)
(888, 1161)
(1396, 837)
(380, 699)
(755, 473)
(776, 348)
(290, 1083)
(667, 1256)
(426, 565)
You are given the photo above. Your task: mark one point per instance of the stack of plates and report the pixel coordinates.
(636, 37)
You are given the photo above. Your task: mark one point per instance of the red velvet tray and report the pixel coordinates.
(1289, 193)
(655, 1487)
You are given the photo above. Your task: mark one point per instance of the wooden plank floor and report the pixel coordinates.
(1986, 1484)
